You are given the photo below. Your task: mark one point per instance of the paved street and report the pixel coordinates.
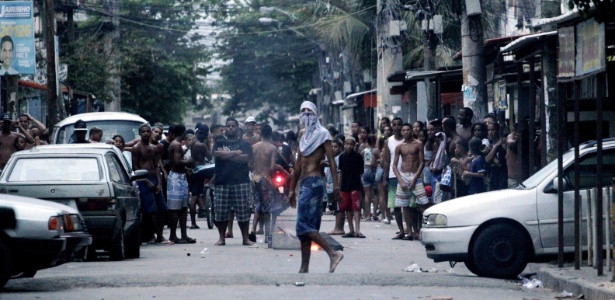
(373, 268)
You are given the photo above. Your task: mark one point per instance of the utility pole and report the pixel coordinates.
(389, 60)
(52, 90)
(432, 25)
(113, 86)
(550, 9)
(473, 60)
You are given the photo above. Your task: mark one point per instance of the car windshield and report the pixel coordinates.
(129, 130)
(55, 169)
(539, 176)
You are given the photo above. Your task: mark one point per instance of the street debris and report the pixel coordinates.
(565, 295)
(299, 283)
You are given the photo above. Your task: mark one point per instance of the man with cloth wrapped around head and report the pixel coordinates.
(314, 144)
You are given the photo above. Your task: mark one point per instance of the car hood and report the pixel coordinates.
(478, 208)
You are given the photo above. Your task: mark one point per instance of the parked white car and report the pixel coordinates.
(37, 234)
(497, 233)
(111, 123)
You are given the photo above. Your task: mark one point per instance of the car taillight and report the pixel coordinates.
(88, 204)
(75, 221)
(68, 223)
(55, 223)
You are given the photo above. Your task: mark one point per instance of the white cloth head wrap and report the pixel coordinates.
(315, 134)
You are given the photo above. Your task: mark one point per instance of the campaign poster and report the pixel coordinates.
(17, 38)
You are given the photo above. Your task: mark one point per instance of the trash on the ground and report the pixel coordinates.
(565, 295)
(299, 283)
(204, 252)
(188, 254)
(413, 268)
(530, 284)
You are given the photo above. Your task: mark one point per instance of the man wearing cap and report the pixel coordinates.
(81, 129)
(7, 140)
(314, 144)
(251, 136)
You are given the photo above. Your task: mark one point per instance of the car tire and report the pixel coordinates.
(116, 251)
(133, 241)
(500, 251)
(5, 263)
(472, 266)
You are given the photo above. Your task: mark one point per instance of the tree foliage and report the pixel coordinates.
(159, 54)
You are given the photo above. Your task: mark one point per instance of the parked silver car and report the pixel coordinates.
(37, 234)
(92, 178)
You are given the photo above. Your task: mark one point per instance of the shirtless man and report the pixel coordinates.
(96, 135)
(146, 156)
(448, 127)
(38, 132)
(464, 128)
(388, 175)
(7, 140)
(265, 156)
(251, 136)
(513, 159)
(201, 154)
(177, 189)
(315, 143)
(410, 190)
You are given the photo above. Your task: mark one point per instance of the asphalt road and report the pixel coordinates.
(373, 268)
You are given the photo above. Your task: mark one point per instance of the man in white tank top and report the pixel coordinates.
(387, 155)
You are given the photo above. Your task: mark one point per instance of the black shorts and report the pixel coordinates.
(197, 183)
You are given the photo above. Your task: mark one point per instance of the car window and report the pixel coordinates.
(55, 169)
(116, 171)
(129, 130)
(587, 169)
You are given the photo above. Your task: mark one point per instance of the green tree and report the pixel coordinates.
(161, 58)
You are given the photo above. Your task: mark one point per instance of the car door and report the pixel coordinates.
(547, 198)
(124, 191)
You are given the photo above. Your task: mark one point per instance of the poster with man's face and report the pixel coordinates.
(17, 38)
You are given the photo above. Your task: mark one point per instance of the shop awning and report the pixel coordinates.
(360, 93)
(525, 40)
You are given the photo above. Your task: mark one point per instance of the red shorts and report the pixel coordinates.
(351, 201)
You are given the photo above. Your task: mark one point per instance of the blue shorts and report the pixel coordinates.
(309, 206)
(177, 191)
(379, 172)
(150, 201)
(368, 178)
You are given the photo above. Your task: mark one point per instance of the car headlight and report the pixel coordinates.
(435, 220)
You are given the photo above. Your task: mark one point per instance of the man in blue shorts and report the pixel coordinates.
(314, 143)
(177, 189)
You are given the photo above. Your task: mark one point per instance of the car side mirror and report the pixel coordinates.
(139, 174)
(7, 218)
(555, 185)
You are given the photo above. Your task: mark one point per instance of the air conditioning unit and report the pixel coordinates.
(473, 8)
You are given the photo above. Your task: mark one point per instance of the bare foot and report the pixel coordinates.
(248, 243)
(220, 243)
(335, 260)
(336, 232)
(303, 271)
(228, 235)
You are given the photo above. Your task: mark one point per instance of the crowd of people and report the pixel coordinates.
(405, 168)
(388, 176)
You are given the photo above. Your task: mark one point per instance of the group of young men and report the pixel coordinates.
(16, 135)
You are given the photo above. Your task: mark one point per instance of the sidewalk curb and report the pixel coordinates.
(564, 279)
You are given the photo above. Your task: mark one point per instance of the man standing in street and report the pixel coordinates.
(39, 132)
(146, 156)
(81, 129)
(201, 154)
(177, 189)
(314, 144)
(265, 156)
(464, 128)
(232, 186)
(387, 157)
(7, 140)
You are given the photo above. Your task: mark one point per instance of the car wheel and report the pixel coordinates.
(116, 252)
(5, 263)
(500, 251)
(472, 266)
(133, 241)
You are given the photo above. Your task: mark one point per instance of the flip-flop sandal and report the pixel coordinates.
(166, 243)
(407, 237)
(348, 235)
(336, 233)
(360, 236)
(398, 237)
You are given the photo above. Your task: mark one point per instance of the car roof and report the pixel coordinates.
(69, 149)
(100, 116)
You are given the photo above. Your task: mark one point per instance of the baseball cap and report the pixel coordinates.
(6, 116)
(250, 120)
(202, 128)
(80, 126)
